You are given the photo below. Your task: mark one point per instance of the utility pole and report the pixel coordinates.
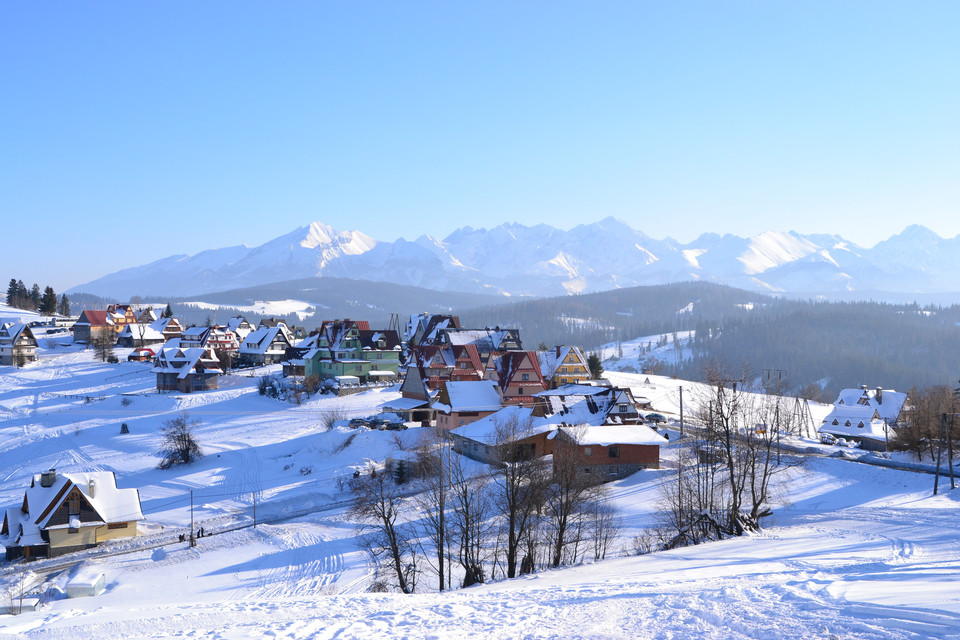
(254, 509)
(681, 412)
(193, 541)
(768, 373)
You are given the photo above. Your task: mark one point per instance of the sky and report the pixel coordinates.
(135, 131)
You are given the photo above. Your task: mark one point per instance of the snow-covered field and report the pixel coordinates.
(852, 551)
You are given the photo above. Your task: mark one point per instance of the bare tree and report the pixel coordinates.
(179, 444)
(377, 504)
(919, 429)
(433, 460)
(723, 480)
(567, 498)
(470, 500)
(103, 343)
(521, 480)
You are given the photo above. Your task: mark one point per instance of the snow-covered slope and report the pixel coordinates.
(852, 551)
(541, 260)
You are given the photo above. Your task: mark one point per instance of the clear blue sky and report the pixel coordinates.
(133, 131)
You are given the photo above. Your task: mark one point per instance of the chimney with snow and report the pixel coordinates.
(879, 395)
(92, 488)
(48, 478)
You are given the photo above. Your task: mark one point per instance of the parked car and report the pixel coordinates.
(358, 422)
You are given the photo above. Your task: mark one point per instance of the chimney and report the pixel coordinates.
(864, 387)
(879, 395)
(48, 478)
(92, 488)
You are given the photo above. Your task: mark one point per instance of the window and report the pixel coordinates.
(525, 376)
(520, 391)
(613, 452)
(587, 451)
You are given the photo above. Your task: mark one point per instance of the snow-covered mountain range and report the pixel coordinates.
(541, 260)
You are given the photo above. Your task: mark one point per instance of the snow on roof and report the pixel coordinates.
(473, 395)
(183, 362)
(605, 435)
(109, 502)
(403, 404)
(876, 410)
(141, 332)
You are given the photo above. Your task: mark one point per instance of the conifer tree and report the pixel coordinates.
(11, 291)
(64, 307)
(168, 312)
(48, 303)
(35, 296)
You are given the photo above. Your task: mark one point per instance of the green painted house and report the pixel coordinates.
(351, 348)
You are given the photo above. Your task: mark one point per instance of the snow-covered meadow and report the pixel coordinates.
(852, 551)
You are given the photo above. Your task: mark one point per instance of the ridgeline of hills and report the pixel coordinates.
(517, 260)
(821, 346)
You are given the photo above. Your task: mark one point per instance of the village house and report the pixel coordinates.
(266, 345)
(513, 432)
(240, 327)
(563, 365)
(18, 346)
(350, 348)
(121, 315)
(425, 328)
(91, 325)
(64, 512)
(136, 335)
(607, 452)
(530, 426)
(462, 402)
(428, 368)
(517, 373)
(486, 341)
(186, 370)
(866, 416)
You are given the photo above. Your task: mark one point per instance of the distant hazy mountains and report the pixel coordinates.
(543, 261)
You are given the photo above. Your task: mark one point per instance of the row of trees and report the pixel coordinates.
(46, 303)
(463, 526)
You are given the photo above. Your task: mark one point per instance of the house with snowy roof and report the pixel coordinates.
(424, 329)
(266, 345)
(563, 365)
(90, 325)
(64, 512)
(602, 453)
(486, 341)
(464, 401)
(122, 315)
(240, 327)
(867, 416)
(351, 348)
(586, 404)
(518, 375)
(530, 428)
(136, 334)
(428, 368)
(186, 369)
(18, 345)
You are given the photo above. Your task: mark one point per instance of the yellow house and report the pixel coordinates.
(68, 512)
(564, 365)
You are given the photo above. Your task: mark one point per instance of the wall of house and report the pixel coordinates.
(62, 541)
(106, 533)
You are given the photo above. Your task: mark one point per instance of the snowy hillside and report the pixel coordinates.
(541, 261)
(852, 551)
